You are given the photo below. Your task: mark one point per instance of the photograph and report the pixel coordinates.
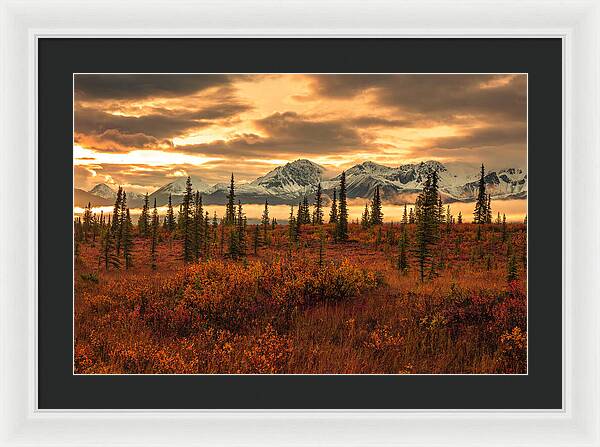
(300, 223)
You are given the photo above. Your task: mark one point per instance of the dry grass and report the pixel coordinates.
(279, 312)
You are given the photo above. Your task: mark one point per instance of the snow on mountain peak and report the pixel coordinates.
(103, 190)
(295, 176)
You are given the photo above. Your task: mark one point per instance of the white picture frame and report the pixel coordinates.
(577, 23)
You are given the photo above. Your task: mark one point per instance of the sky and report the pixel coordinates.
(142, 131)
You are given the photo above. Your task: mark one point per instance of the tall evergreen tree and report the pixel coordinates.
(116, 217)
(411, 216)
(318, 211)
(342, 221)
(154, 234)
(504, 233)
(459, 218)
(488, 210)
(365, 220)
(241, 230)
(230, 207)
(123, 217)
(404, 220)
(87, 221)
(187, 222)
(305, 211)
(426, 211)
(440, 210)
(376, 213)
(265, 223)
(333, 213)
(198, 226)
(127, 239)
(170, 217)
(109, 256)
(144, 219)
(292, 235)
(480, 213)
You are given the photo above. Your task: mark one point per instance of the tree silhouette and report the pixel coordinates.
(333, 213)
(342, 221)
(318, 211)
(376, 213)
(480, 213)
(230, 207)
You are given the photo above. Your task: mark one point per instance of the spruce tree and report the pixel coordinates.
(318, 211)
(144, 219)
(342, 221)
(127, 239)
(265, 222)
(459, 221)
(230, 207)
(170, 218)
(154, 235)
(109, 256)
(305, 211)
(123, 217)
(504, 233)
(333, 213)
(411, 216)
(116, 217)
(488, 210)
(404, 220)
(273, 223)
(365, 220)
(198, 226)
(480, 213)
(376, 213)
(292, 235)
(426, 210)
(241, 230)
(186, 222)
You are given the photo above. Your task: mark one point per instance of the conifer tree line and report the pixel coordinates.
(201, 237)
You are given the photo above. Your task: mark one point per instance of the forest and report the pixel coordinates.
(191, 293)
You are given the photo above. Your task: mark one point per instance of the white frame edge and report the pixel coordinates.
(577, 22)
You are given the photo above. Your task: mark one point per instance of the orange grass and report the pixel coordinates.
(279, 312)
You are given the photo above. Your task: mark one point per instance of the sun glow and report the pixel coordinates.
(84, 156)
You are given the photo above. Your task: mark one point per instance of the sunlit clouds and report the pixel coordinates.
(141, 130)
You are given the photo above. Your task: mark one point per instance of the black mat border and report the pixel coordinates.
(58, 59)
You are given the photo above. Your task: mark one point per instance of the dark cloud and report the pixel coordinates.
(483, 137)
(286, 134)
(138, 86)
(438, 96)
(115, 140)
(88, 121)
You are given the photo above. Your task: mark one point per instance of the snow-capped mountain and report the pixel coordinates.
(104, 191)
(299, 176)
(289, 183)
(177, 189)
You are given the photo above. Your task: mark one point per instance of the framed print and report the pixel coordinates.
(307, 237)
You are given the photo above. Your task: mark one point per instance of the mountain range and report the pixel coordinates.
(287, 184)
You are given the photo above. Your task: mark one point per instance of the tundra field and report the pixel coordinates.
(303, 302)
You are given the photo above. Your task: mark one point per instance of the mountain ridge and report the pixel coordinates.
(287, 184)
